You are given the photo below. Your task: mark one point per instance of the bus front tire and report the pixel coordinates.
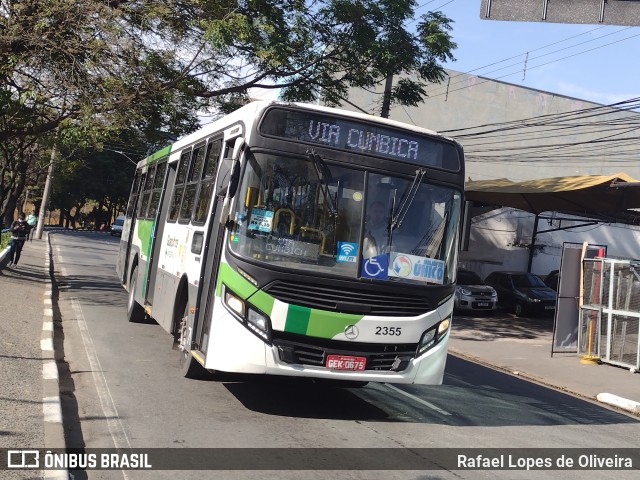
(135, 312)
(189, 366)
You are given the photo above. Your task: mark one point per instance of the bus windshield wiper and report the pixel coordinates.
(407, 199)
(319, 164)
(324, 176)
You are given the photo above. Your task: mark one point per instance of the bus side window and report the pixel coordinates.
(140, 211)
(146, 196)
(176, 199)
(133, 201)
(191, 184)
(158, 184)
(205, 192)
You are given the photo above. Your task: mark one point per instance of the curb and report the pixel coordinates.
(629, 406)
(3, 255)
(51, 404)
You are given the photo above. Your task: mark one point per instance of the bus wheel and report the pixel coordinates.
(135, 312)
(189, 366)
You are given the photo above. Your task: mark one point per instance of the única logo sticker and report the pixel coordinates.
(402, 266)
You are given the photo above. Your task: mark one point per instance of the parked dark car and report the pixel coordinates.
(472, 293)
(522, 292)
(551, 280)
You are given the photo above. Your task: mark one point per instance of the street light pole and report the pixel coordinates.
(121, 153)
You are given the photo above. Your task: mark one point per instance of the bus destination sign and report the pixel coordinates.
(361, 137)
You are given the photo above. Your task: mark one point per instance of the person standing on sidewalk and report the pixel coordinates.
(31, 220)
(19, 230)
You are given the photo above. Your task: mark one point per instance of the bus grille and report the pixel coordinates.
(302, 350)
(349, 299)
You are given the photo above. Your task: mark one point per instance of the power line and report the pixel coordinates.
(533, 67)
(533, 58)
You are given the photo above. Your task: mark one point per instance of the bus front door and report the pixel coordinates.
(208, 277)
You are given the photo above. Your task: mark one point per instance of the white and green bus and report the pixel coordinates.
(253, 243)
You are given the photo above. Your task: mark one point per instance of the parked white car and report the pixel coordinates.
(116, 227)
(473, 294)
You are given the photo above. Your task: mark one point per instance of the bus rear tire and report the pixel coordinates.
(189, 366)
(135, 312)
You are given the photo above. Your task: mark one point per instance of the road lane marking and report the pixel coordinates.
(46, 344)
(418, 399)
(51, 409)
(50, 370)
(116, 429)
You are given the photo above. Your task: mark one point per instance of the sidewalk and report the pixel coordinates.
(522, 346)
(30, 414)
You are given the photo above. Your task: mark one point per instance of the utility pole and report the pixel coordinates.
(45, 195)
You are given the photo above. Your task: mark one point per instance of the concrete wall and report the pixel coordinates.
(465, 101)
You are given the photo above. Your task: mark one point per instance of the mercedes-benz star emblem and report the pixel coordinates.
(351, 332)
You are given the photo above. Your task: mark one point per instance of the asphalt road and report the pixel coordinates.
(121, 387)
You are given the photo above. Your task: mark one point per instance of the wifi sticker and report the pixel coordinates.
(347, 252)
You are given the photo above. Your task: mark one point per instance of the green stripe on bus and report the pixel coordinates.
(145, 227)
(326, 324)
(158, 154)
(297, 319)
(262, 301)
(145, 231)
(232, 279)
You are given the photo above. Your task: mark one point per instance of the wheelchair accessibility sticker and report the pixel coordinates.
(375, 267)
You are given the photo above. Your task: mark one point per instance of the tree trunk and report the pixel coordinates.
(386, 97)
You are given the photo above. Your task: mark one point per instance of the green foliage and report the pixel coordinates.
(78, 72)
(111, 65)
(4, 240)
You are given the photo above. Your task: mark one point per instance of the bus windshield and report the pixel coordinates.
(301, 213)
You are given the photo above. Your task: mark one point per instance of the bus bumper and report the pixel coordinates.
(243, 352)
(428, 369)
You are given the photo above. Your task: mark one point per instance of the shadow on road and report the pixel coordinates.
(501, 325)
(471, 395)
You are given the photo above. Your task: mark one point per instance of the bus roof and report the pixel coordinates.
(258, 106)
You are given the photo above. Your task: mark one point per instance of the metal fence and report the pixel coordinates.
(609, 325)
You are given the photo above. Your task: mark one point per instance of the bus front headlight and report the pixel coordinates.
(234, 302)
(258, 322)
(255, 321)
(432, 336)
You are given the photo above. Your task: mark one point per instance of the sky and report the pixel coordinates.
(597, 63)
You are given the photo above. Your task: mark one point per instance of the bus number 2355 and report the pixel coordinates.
(397, 331)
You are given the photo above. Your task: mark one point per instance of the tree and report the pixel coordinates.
(81, 71)
(403, 52)
(104, 62)
(100, 178)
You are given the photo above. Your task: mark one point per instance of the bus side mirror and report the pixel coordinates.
(235, 179)
(229, 173)
(224, 174)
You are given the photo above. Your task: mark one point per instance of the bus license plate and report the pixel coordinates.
(345, 362)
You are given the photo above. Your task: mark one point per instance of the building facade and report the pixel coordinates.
(518, 133)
